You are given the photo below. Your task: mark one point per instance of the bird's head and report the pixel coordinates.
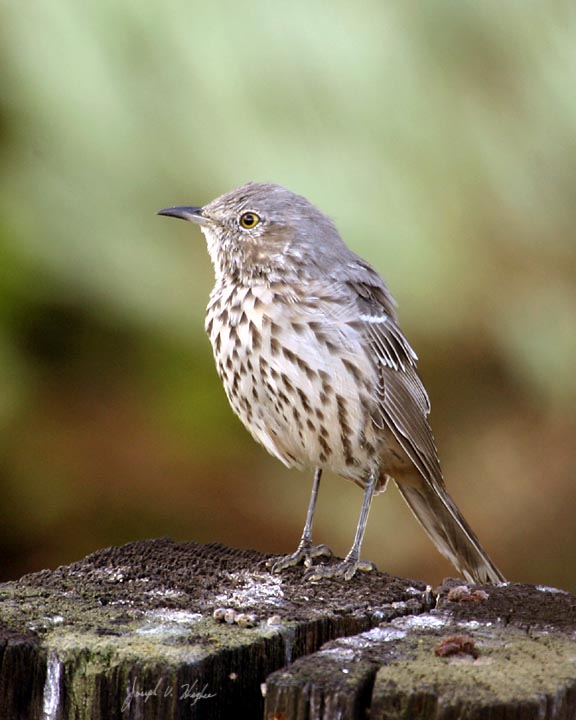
(262, 232)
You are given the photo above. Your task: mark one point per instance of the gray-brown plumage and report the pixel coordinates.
(307, 343)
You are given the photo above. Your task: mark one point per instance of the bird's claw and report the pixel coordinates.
(304, 555)
(345, 569)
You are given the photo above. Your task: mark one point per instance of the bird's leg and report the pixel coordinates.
(305, 552)
(351, 563)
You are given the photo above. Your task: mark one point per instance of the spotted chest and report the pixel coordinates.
(302, 386)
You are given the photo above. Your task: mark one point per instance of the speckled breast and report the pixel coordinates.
(297, 376)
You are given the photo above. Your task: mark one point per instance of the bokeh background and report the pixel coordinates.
(441, 137)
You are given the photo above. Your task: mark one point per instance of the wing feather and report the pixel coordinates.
(402, 401)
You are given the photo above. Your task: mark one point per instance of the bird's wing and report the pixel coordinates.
(402, 400)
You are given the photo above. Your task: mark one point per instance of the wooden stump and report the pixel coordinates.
(162, 629)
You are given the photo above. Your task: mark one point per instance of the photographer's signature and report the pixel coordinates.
(190, 692)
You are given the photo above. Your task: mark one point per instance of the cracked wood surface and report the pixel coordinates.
(165, 629)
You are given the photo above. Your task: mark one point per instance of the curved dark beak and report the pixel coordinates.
(192, 214)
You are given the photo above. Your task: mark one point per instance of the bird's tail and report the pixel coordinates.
(437, 513)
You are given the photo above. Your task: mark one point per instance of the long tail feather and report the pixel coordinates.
(447, 528)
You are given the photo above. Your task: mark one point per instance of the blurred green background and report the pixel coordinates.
(441, 137)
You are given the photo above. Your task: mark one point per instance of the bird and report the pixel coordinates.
(307, 343)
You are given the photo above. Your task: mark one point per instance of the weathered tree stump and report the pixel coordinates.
(162, 629)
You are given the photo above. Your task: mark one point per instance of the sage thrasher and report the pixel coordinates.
(313, 361)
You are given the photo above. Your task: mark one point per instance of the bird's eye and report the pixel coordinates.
(249, 220)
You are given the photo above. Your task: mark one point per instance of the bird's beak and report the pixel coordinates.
(192, 214)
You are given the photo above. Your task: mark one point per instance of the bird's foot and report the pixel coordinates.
(343, 570)
(305, 554)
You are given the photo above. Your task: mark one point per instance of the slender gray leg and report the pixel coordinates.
(306, 552)
(351, 563)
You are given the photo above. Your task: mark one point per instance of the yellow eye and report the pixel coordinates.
(249, 220)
